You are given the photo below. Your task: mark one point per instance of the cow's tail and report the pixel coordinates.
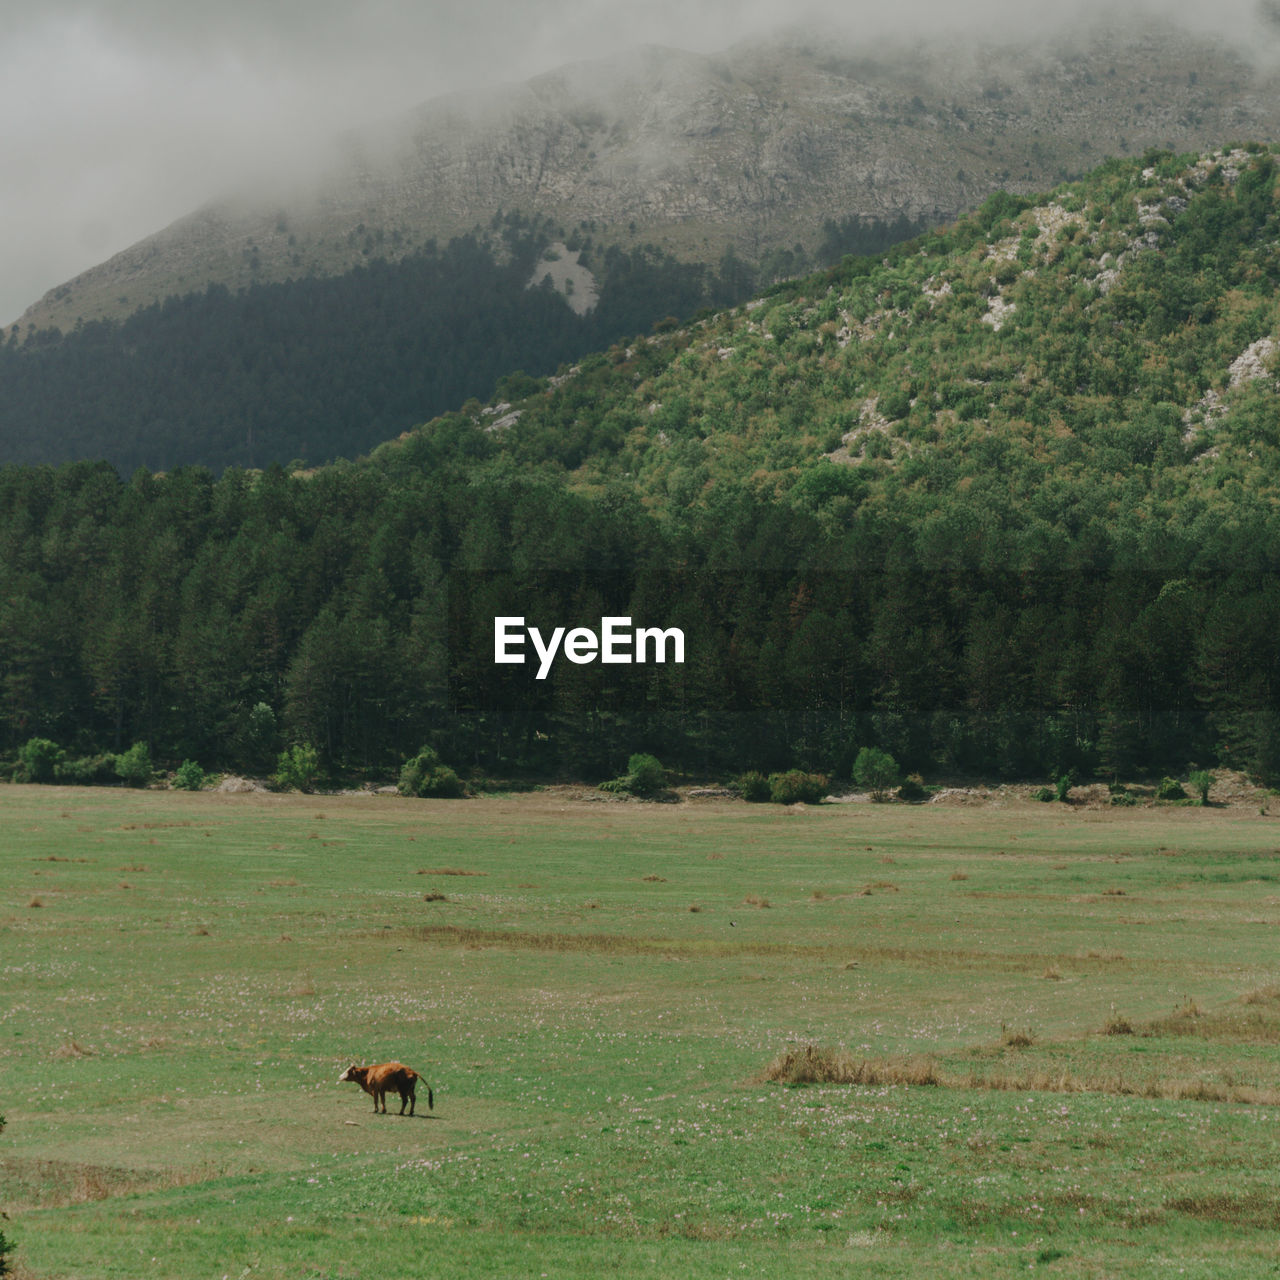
(431, 1100)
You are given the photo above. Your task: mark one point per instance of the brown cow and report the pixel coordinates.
(394, 1076)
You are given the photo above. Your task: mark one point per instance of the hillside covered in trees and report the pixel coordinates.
(1004, 501)
(324, 367)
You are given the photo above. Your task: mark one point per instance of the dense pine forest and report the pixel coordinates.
(321, 368)
(1004, 501)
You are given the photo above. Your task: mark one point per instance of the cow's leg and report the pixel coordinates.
(407, 1095)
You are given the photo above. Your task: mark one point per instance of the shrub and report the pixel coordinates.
(38, 759)
(1170, 789)
(912, 791)
(86, 771)
(751, 786)
(1046, 794)
(1201, 782)
(425, 776)
(798, 787)
(133, 767)
(1062, 788)
(877, 771)
(189, 776)
(645, 776)
(297, 768)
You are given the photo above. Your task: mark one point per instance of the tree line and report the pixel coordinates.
(222, 620)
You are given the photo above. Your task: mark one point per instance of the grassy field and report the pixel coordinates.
(598, 994)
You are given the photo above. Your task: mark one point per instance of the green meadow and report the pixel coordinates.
(1041, 1038)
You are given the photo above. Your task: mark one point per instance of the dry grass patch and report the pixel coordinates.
(821, 1064)
(35, 902)
(55, 1184)
(72, 1049)
(1117, 1025)
(1012, 1038)
(1249, 1209)
(1262, 995)
(449, 871)
(815, 1064)
(959, 875)
(1253, 1019)
(654, 879)
(435, 897)
(755, 900)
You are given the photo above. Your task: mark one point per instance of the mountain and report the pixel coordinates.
(1004, 499)
(767, 147)
(1118, 337)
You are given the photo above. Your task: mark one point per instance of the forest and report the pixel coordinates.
(880, 519)
(321, 368)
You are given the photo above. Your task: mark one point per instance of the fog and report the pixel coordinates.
(118, 116)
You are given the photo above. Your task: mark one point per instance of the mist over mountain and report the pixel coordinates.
(758, 148)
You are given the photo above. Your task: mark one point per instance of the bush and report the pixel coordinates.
(877, 771)
(133, 767)
(1170, 789)
(297, 768)
(1062, 788)
(645, 776)
(648, 777)
(423, 775)
(1046, 794)
(38, 759)
(912, 791)
(1201, 782)
(797, 787)
(751, 786)
(189, 776)
(87, 771)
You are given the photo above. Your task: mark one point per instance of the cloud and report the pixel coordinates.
(118, 116)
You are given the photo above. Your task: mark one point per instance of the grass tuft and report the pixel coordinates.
(820, 1064)
(72, 1049)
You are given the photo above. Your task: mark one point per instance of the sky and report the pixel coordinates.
(119, 116)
